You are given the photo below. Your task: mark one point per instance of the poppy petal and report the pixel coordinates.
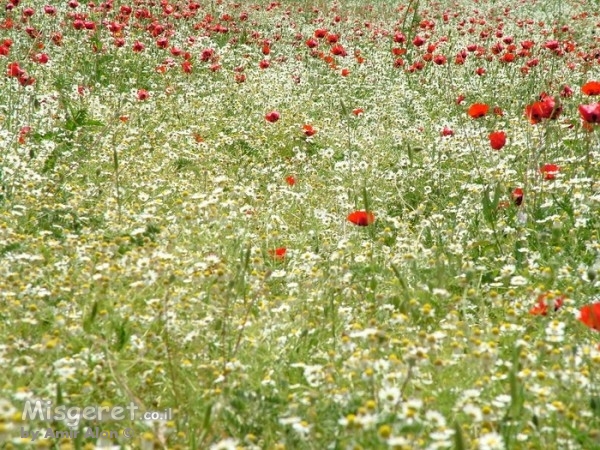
(361, 218)
(589, 315)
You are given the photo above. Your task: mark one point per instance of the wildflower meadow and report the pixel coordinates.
(300, 224)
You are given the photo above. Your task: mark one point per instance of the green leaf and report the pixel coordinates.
(595, 405)
(115, 160)
(90, 319)
(59, 396)
(490, 207)
(401, 281)
(344, 109)
(366, 198)
(93, 123)
(516, 388)
(581, 437)
(459, 440)
(122, 335)
(49, 135)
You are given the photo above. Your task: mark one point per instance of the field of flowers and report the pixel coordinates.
(302, 224)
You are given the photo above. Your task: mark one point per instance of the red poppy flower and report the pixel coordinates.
(320, 33)
(345, 72)
(23, 133)
(309, 130)
(536, 112)
(312, 43)
(338, 50)
(532, 62)
(546, 108)
(41, 58)
(447, 132)
(418, 41)
(14, 70)
(497, 48)
(266, 48)
(589, 315)
(566, 91)
(290, 180)
(549, 171)
(399, 37)
(142, 94)
(207, 54)
(25, 79)
(477, 110)
(278, 253)
(497, 139)
(361, 218)
(332, 38)
(272, 117)
(517, 196)
(138, 47)
(542, 305)
(162, 42)
(358, 111)
(186, 66)
(527, 45)
(439, 59)
(591, 88)
(590, 113)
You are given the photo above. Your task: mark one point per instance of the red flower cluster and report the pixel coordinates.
(542, 305)
(15, 71)
(5, 47)
(588, 314)
(545, 108)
